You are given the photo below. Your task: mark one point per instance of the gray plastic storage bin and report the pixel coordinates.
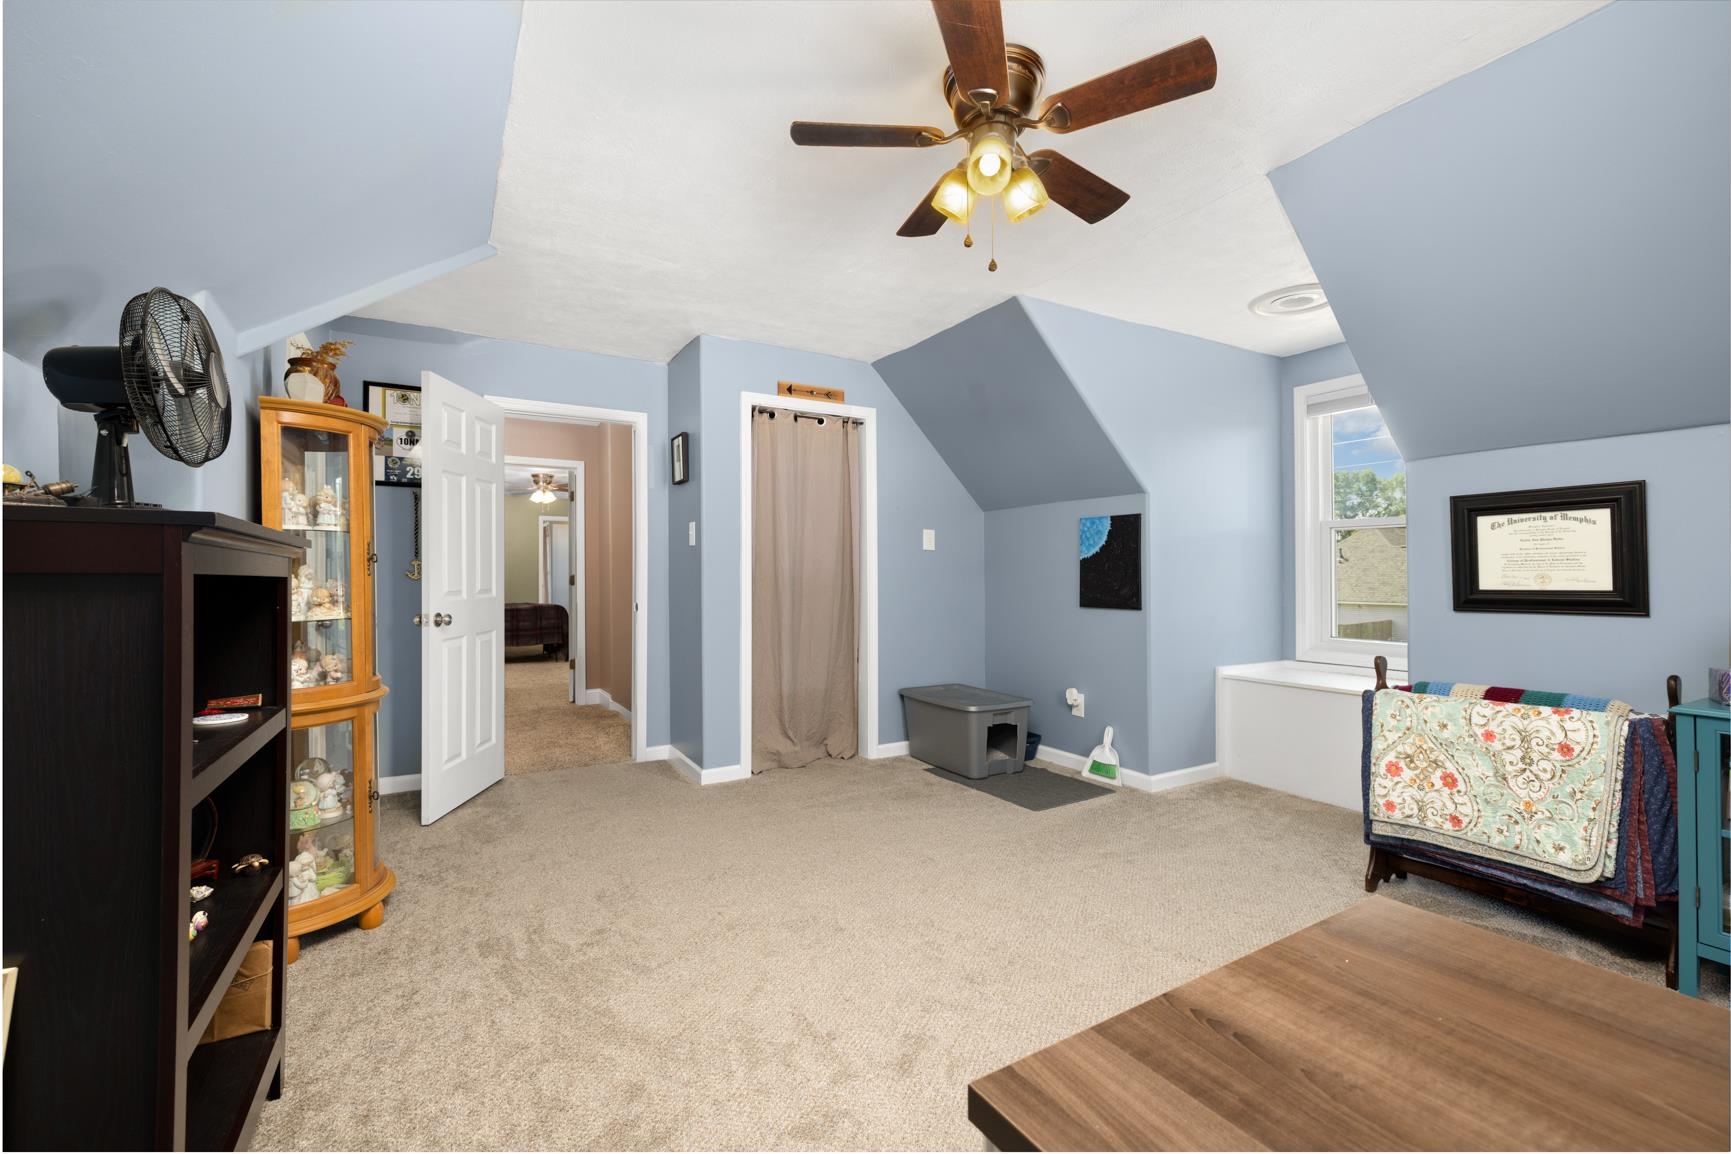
(969, 731)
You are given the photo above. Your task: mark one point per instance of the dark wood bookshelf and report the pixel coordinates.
(120, 624)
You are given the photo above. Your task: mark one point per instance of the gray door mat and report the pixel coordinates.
(1034, 788)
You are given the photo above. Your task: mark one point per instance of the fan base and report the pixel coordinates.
(1027, 73)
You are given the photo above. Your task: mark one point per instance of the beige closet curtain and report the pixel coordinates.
(805, 595)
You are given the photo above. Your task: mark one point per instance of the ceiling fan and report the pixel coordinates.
(992, 88)
(546, 491)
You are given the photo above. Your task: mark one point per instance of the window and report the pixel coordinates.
(1349, 535)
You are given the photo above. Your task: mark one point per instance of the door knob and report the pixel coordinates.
(420, 619)
(441, 619)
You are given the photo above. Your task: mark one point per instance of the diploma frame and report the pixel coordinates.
(1627, 597)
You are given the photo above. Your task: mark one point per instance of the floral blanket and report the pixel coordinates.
(1537, 786)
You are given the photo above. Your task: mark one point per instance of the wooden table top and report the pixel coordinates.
(1384, 1027)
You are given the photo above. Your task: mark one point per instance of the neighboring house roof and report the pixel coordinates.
(1373, 568)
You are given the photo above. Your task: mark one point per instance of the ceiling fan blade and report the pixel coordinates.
(820, 133)
(973, 32)
(1075, 188)
(1174, 73)
(924, 220)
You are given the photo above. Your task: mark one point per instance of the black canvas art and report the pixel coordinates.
(1112, 561)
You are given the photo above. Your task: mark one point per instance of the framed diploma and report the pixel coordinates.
(1573, 549)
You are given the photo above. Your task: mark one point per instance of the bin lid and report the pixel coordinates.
(966, 698)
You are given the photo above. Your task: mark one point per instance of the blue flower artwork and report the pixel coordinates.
(1111, 561)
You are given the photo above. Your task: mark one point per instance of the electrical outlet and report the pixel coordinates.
(929, 540)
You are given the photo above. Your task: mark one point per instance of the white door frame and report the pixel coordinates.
(579, 609)
(868, 562)
(639, 422)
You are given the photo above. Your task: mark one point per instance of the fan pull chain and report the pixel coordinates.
(968, 228)
(992, 265)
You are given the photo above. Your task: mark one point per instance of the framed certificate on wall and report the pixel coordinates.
(1572, 549)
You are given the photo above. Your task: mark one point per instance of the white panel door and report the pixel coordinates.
(462, 596)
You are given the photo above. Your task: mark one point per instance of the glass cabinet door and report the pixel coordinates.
(315, 505)
(321, 811)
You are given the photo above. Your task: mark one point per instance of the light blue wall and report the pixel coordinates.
(684, 560)
(931, 617)
(1688, 475)
(279, 155)
(1536, 252)
(991, 398)
(1039, 641)
(397, 354)
(1198, 422)
(32, 421)
(1325, 364)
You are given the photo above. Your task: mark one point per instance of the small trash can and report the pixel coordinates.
(966, 730)
(1032, 749)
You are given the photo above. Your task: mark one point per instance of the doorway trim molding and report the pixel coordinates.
(868, 563)
(579, 546)
(639, 422)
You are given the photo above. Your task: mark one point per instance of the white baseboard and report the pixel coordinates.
(1130, 778)
(1158, 782)
(891, 749)
(400, 783)
(696, 774)
(658, 753)
(602, 697)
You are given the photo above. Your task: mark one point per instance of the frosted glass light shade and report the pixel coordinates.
(989, 164)
(543, 497)
(1024, 195)
(954, 198)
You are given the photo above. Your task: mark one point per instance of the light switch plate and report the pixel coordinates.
(929, 541)
(691, 533)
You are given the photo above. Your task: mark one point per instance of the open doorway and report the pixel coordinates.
(570, 662)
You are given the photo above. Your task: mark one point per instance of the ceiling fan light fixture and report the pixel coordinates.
(989, 161)
(1024, 195)
(954, 198)
(543, 497)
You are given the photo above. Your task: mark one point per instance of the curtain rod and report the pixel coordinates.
(820, 418)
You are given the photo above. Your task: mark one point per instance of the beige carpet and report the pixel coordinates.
(615, 958)
(543, 730)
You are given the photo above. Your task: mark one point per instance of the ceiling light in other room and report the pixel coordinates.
(989, 162)
(954, 198)
(1024, 195)
(1291, 301)
(543, 497)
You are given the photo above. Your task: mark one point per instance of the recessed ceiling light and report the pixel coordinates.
(1290, 301)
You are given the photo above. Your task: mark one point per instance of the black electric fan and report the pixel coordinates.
(165, 379)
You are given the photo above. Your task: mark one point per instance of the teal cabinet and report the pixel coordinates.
(1703, 838)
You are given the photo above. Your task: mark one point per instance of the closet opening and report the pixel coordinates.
(808, 590)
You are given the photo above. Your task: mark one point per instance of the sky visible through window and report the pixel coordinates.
(1361, 441)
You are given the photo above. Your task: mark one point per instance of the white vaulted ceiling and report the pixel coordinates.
(648, 190)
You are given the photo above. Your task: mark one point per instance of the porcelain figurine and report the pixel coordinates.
(334, 667)
(298, 604)
(320, 603)
(337, 591)
(301, 505)
(327, 780)
(199, 921)
(329, 509)
(303, 879)
(294, 512)
(330, 805)
(301, 677)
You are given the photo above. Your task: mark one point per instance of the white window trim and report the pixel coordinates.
(1312, 561)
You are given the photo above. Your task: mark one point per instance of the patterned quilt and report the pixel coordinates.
(1533, 785)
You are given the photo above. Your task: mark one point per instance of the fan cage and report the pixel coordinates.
(173, 375)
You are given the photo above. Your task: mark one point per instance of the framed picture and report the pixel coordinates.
(397, 456)
(681, 458)
(1111, 561)
(1572, 549)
